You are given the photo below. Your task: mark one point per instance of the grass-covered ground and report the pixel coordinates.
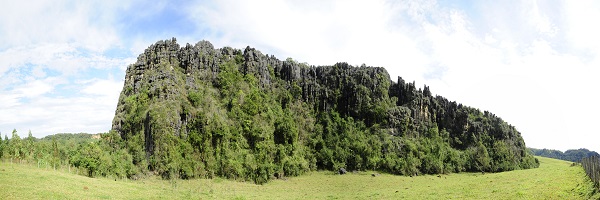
(554, 179)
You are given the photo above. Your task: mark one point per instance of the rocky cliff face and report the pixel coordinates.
(282, 117)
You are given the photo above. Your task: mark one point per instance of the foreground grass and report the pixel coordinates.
(554, 179)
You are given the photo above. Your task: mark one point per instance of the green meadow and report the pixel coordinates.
(554, 179)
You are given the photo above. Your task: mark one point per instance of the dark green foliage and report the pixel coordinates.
(89, 157)
(61, 150)
(573, 155)
(198, 111)
(16, 149)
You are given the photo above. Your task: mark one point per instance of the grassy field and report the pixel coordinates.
(554, 179)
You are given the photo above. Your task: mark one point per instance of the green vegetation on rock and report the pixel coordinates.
(197, 111)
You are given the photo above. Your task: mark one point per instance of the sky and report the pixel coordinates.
(533, 63)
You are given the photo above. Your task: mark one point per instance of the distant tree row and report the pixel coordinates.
(80, 153)
(573, 155)
(28, 149)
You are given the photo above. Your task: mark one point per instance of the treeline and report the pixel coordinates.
(197, 111)
(591, 165)
(80, 153)
(573, 155)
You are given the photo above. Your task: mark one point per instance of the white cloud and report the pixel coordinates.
(321, 34)
(91, 109)
(35, 89)
(105, 87)
(32, 23)
(45, 48)
(580, 26)
(39, 65)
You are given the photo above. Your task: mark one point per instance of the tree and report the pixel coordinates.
(15, 148)
(88, 157)
(55, 153)
(29, 146)
(481, 158)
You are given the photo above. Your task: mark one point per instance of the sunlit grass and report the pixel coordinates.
(554, 179)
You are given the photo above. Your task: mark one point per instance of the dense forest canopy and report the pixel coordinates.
(200, 112)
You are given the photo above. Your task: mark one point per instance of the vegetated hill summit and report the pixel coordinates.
(198, 111)
(573, 155)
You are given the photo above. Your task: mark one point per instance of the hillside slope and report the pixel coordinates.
(573, 155)
(198, 111)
